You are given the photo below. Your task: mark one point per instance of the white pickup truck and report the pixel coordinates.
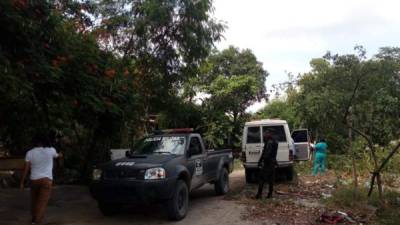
(290, 147)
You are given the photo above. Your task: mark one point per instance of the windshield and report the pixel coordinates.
(161, 145)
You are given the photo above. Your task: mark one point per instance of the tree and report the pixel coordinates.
(283, 106)
(165, 40)
(370, 88)
(381, 109)
(279, 109)
(55, 77)
(234, 79)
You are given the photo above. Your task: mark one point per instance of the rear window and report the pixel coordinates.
(278, 132)
(300, 136)
(253, 135)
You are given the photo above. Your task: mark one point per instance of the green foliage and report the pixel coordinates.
(92, 71)
(56, 78)
(218, 130)
(184, 114)
(282, 110)
(344, 198)
(234, 80)
(303, 168)
(234, 93)
(228, 82)
(325, 93)
(237, 164)
(342, 164)
(165, 40)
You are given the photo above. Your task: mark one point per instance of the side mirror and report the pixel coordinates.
(128, 154)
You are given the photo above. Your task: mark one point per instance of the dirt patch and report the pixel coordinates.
(297, 202)
(73, 205)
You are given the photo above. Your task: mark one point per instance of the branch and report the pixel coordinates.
(364, 135)
(352, 98)
(371, 187)
(386, 160)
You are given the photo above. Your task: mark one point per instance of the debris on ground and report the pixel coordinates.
(292, 203)
(297, 203)
(337, 217)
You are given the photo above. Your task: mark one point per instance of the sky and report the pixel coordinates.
(286, 34)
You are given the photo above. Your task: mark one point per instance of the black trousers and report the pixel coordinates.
(267, 174)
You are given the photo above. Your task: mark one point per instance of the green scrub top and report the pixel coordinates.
(321, 147)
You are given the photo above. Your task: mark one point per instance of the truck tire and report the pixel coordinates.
(177, 206)
(108, 209)
(250, 176)
(221, 186)
(289, 173)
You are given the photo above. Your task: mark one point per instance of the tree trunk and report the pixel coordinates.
(355, 176)
(89, 146)
(353, 154)
(232, 135)
(376, 173)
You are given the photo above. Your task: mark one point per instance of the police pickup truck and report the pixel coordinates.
(164, 168)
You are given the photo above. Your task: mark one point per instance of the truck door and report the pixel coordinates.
(279, 134)
(301, 143)
(253, 146)
(196, 162)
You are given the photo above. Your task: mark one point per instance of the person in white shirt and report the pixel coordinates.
(39, 160)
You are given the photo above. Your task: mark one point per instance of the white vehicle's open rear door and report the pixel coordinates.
(301, 142)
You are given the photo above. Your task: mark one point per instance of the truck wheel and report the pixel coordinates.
(250, 176)
(177, 206)
(108, 209)
(221, 186)
(289, 173)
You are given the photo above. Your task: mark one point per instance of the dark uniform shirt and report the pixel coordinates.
(270, 151)
(268, 157)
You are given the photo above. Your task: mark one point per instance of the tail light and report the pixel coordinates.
(291, 155)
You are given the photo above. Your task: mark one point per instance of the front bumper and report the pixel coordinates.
(132, 191)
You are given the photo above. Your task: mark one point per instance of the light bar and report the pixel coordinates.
(177, 130)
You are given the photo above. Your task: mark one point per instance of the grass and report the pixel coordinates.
(388, 214)
(303, 167)
(237, 164)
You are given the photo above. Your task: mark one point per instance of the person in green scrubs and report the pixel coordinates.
(320, 157)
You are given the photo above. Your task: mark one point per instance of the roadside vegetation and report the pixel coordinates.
(97, 74)
(353, 102)
(347, 198)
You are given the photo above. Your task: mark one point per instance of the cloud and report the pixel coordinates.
(285, 35)
(358, 24)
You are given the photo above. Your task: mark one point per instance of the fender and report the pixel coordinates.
(223, 161)
(182, 171)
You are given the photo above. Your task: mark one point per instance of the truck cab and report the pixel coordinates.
(163, 167)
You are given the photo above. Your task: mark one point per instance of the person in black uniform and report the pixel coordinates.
(267, 165)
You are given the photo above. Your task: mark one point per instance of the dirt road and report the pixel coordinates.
(73, 205)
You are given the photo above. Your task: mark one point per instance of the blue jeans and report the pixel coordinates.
(319, 163)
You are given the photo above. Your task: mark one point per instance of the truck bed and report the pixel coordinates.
(218, 151)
